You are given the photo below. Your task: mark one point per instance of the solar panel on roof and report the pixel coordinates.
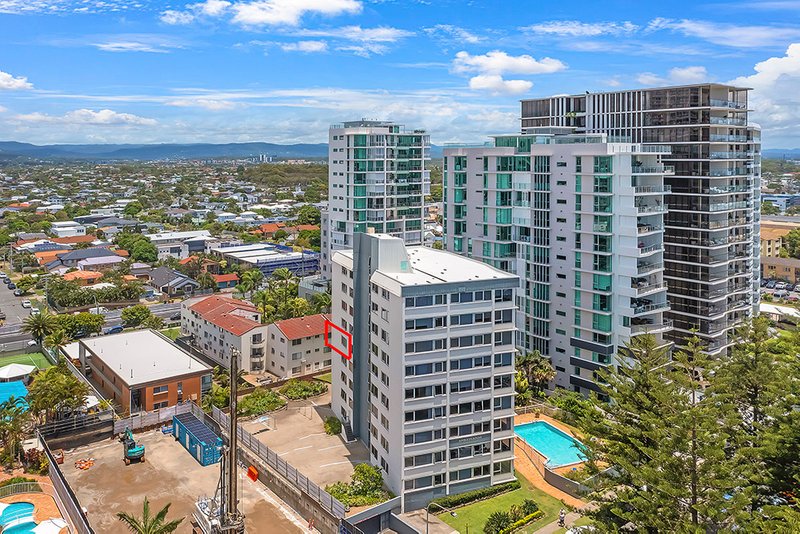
(197, 428)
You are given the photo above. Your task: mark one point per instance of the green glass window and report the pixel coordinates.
(602, 164)
(359, 140)
(601, 322)
(601, 282)
(503, 181)
(578, 184)
(503, 215)
(458, 244)
(577, 164)
(360, 203)
(577, 279)
(602, 223)
(602, 184)
(602, 204)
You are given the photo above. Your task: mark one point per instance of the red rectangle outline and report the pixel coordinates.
(348, 335)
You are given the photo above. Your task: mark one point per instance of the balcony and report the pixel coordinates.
(651, 209)
(648, 228)
(641, 309)
(601, 227)
(658, 169)
(652, 189)
(646, 288)
(717, 138)
(730, 104)
(649, 268)
(738, 171)
(650, 249)
(731, 155)
(664, 326)
(727, 121)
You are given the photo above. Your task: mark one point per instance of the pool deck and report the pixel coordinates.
(44, 506)
(526, 468)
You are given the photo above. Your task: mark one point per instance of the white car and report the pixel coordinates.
(36, 311)
(26, 303)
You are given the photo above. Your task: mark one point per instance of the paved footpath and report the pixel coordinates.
(553, 527)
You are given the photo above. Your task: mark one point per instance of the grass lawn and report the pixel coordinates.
(327, 377)
(471, 518)
(171, 333)
(583, 521)
(34, 358)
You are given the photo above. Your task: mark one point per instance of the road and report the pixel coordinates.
(12, 330)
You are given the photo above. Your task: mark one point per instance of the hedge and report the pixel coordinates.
(461, 499)
(333, 426)
(522, 522)
(302, 389)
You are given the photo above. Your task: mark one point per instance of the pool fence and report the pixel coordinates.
(539, 461)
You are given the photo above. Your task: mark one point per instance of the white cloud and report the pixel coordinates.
(305, 46)
(574, 28)
(132, 46)
(103, 117)
(453, 33)
(732, 35)
(497, 85)
(212, 8)
(205, 103)
(173, 17)
(364, 42)
(22, 7)
(3, 110)
(498, 62)
(13, 83)
(775, 98)
(288, 12)
(675, 76)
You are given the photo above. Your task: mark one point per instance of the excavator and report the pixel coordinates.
(131, 451)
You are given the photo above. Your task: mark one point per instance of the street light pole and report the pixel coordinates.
(428, 513)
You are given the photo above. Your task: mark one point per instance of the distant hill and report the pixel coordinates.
(780, 153)
(12, 149)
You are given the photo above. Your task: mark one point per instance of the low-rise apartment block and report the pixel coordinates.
(430, 385)
(142, 370)
(296, 346)
(219, 325)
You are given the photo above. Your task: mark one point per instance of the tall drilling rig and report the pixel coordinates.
(221, 514)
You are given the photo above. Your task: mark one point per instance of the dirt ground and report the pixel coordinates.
(300, 439)
(168, 475)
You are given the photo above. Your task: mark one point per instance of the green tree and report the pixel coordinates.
(133, 209)
(144, 251)
(308, 215)
(321, 302)
(153, 322)
(206, 281)
(39, 326)
(57, 340)
(768, 208)
(791, 242)
(134, 316)
(537, 369)
(146, 524)
(26, 283)
(55, 392)
(14, 419)
(497, 522)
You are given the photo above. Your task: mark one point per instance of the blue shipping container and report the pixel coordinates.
(197, 438)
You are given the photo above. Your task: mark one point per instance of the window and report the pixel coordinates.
(424, 369)
(160, 389)
(158, 405)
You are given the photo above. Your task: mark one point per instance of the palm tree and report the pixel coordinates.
(14, 416)
(322, 302)
(254, 277)
(57, 340)
(537, 369)
(264, 302)
(147, 524)
(40, 326)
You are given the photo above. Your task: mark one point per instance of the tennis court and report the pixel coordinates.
(34, 358)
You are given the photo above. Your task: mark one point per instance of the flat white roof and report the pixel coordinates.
(255, 253)
(169, 236)
(142, 356)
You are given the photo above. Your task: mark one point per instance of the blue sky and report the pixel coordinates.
(143, 71)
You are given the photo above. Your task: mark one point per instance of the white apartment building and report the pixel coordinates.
(67, 229)
(296, 347)
(218, 325)
(711, 231)
(377, 179)
(430, 386)
(580, 219)
(181, 245)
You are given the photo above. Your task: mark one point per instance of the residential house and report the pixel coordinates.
(172, 282)
(102, 263)
(67, 229)
(226, 281)
(296, 347)
(218, 325)
(83, 278)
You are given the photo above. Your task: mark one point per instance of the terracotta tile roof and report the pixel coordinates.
(270, 228)
(48, 255)
(74, 239)
(311, 325)
(129, 278)
(121, 252)
(82, 275)
(230, 277)
(190, 259)
(219, 311)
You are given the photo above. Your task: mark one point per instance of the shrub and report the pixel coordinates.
(302, 389)
(521, 523)
(497, 522)
(515, 512)
(365, 487)
(529, 507)
(461, 499)
(333, 426)
(260, 401)
(15, 480)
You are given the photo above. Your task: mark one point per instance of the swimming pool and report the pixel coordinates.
(17, 518)
(558, 447)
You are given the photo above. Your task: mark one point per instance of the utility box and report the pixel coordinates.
(197, 438)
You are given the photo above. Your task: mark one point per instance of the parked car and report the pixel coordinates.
(18, 292)
(115, 329)
(764, 282)
(26, 303)
(2, 316)
(36, 311)
(175, 316)
(11, 285)
(771, 284)
(781, 285)
(780, 293)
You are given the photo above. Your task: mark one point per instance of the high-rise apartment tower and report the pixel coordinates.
(711, 229)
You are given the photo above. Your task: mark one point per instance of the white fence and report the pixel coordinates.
(148, 419)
